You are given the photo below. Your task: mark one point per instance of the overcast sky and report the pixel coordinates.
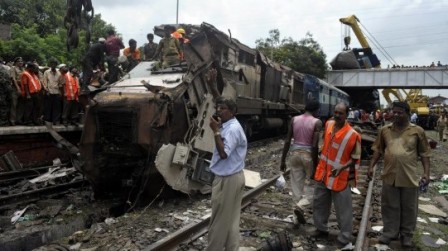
(412, 32)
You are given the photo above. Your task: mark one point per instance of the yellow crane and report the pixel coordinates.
(414, 97)
(352, 21)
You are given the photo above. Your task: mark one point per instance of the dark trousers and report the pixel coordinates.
(33, 108)
(87, 72)
(112, 64)
(399, 208)
(53, 108)
(70, 111)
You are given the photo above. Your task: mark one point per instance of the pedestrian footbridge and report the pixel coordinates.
(405, 78)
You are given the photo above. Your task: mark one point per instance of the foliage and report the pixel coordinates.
(38, 32)
(304, 56)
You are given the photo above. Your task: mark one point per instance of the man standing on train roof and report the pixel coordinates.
(132, 53)
(338, 164)
(169, 48)
(113, 47)
(149, 48)
(302, 155)
(401, 143)
(93, 59)
(227, 165)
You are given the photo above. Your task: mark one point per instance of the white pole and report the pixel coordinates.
(177, 12)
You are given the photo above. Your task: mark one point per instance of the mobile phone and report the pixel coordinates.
(215, 117)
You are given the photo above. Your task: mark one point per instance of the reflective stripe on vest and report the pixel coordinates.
(335, 155)
(35, 85)
(337, 162)
(69, 87)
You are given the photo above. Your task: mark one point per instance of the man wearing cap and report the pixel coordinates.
(17, 102)
(93, 59)
(150, 48)
(169, 48)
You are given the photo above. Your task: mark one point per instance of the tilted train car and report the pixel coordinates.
(152, 127)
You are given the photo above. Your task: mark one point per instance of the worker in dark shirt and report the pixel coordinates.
(150, 48)
(93, 59)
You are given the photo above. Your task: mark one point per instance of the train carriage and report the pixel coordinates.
(152, 126)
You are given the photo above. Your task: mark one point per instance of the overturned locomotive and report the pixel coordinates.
(152, 126)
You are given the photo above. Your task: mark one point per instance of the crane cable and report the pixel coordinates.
(378, 45)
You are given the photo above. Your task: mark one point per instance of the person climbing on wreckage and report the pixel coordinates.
(169, 48)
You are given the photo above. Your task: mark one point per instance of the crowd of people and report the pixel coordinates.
(432, 65)
(335, 172)
(31, 95)
(329, 171)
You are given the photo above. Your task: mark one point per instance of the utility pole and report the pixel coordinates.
(177, 12)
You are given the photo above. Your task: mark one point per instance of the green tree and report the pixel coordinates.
(305, 56)
(38, 32)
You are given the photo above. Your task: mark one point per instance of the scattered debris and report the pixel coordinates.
(280, 183)
(434, 220)
(419, 219)
(424, 199)
(440, 242)
(429, 241)
(53, 173)
(253, 179)
(377, 228)
(18, 214)
(110, 221)
(381, 247)
(431, 209)
(355, 190)
(9, 162)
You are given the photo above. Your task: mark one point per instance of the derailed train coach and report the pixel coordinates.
(151, 127)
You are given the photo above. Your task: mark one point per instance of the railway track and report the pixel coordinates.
(262, 214)
(182, 223)
(7, 178)
(22, 191)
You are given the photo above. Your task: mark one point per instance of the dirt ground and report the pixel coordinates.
(427, 232)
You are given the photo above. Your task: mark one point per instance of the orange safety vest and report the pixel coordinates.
(71, 87)
(31, 81)
(336, 152)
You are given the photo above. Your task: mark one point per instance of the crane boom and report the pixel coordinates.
(353, 21)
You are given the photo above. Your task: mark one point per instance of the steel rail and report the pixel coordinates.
(361, 240)
(36, 194)
(11, 176)
(197, 229)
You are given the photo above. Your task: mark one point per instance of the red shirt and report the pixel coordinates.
(113, 46)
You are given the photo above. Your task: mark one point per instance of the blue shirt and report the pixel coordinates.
(235, 146)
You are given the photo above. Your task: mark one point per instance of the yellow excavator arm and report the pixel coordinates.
(352, 21)
(395, 92)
